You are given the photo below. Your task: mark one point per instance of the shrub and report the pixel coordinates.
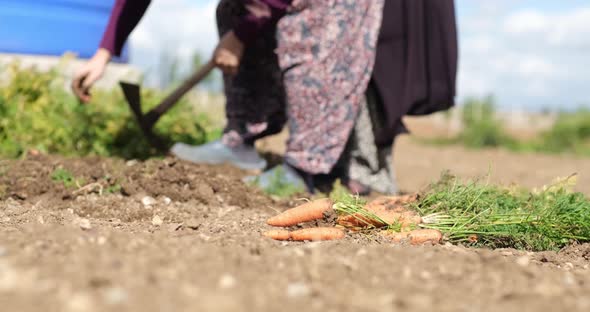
(36, 112)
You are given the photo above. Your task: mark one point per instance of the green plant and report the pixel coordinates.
(481, 214)
(36, 112)
(113, 189)
(278, 185)
(65, 177)
(569, 133)
(481, 127)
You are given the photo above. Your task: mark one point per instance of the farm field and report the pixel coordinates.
(100, 234)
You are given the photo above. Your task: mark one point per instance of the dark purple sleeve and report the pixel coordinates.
(124, 17)
(261, 15)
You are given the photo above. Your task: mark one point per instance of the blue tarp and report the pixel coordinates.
(53, 27)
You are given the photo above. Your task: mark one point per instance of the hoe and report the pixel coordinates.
(147, 121)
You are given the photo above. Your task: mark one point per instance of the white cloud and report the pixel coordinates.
(527, 57)
(567, 29)
(178, 28)
(526, 22)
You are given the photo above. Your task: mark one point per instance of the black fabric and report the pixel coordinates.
(416, 62)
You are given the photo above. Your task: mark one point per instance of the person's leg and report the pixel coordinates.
(325, 77)
(368, 166)
(255, 96)
(255, 102)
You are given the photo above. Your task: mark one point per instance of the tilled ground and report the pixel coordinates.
(166, 235)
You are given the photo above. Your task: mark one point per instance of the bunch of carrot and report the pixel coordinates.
(386, 212)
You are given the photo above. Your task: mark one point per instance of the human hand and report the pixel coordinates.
(90, 72)
(228, 53)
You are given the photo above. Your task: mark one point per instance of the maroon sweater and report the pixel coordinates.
(127, 14)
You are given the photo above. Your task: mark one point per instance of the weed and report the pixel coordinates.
(61, 175)
(113, 189)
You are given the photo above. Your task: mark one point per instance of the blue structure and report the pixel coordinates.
(53, 27)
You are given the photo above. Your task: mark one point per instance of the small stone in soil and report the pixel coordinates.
(193, 224)
(157, 221)
(101, 240)
(148, 201)
(115, 296)
(227, 281)
(298, 290)
(79, 302)
(298, 252)
(166, 200)
(85, 224)
(523, 261)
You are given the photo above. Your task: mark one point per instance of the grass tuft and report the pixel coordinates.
(480, 214)
(61, 175)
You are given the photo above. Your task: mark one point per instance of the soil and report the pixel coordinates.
(166, 235)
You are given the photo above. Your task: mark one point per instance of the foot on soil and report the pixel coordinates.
(242, 156)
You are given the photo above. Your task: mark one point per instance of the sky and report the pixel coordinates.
(529, 54)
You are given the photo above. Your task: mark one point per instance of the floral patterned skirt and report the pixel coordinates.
(326, 50)
(327, 67)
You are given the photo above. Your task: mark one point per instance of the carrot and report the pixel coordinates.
(408, 198)
(396, 237)
(388, 209)
(423, 236)
(410, 218)
(394, 200)
(316, 234)
(415, 237)
(310, 211)
(278, 234)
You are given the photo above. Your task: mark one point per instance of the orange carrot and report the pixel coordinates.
(310, 211)
(278, 234)
(316, 234)
(390, 201)
(408, 198)
(423, 236)
(396, 237)
(387, 208)
(410, 218)
(415, 237)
